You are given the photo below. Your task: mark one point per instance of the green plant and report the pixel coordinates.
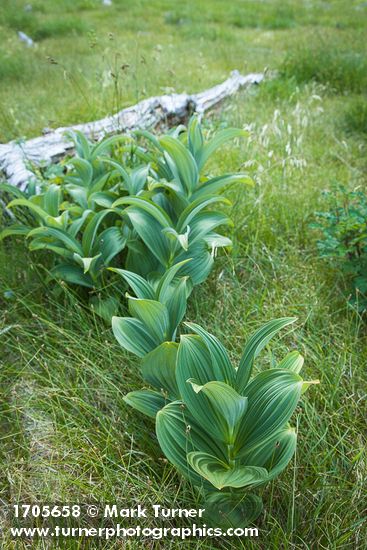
(344, 231)
(225, 430)
(116, 194)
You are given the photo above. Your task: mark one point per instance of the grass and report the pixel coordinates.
(67, 434)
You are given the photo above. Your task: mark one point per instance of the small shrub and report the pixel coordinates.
(344, 231)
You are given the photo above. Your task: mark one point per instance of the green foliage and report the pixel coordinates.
(224, 429)
(117, 195)
(344, 231)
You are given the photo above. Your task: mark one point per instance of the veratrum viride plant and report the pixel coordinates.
(226, 430)
(141, 202)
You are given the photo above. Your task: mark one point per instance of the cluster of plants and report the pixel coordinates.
(344, 238)
(137, 212)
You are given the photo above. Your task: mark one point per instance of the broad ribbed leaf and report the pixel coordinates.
(183, 161)
(254, 346)
(272, 398)
(146, 206)
(59, 235)
(91, 229)
(201, 262)
(218, 408)
(52, 200)
(220, 359)
(45, 244)
(138, 178)
(146, 401)
(77, 224)
(176, 305)
(154, 317)
(106, 143)
(159, 368)
(139, 285)
(133, 336)
(72, 274)
(273, 453)
(31, 205)
(150, 231)
(221, 475)
(194, 208)
(195, 137)
(194, 362)
(293, 361)
(103, 198)
(109, 243)
(83, 169)
(178, 434)
(205, 222)
(216, 185)
(166, 280)
(12, 190)
(14, 230)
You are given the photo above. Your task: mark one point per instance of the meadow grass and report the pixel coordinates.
(67, 435)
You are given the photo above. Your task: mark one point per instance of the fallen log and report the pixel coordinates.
(15, 156)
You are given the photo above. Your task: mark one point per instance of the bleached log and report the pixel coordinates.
(15, 157)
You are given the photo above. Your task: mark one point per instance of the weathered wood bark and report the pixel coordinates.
(15, 156)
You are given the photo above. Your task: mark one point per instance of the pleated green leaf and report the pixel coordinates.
(139, 285)
(150, 231)
(216, 185)
(274, 452)
(72, 274)
(293, 361)
(34, 208)
(133, 336)
(254, 346)
(201, 262)
(194, 208)
(165, 282)
(110, 243)
(83, 170)
(221, 475)
(218, 408)
(183, 161)
(194, 362)
(222, 366)
(148, 402)
(179, 434)
(195, 137)
(176, 304)
(159, 368)
(205, 222)
(52, 200)
(15, 230)
(147, 206)
(59, 235)
(153, 315)
(272, 398)
(91, 229)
